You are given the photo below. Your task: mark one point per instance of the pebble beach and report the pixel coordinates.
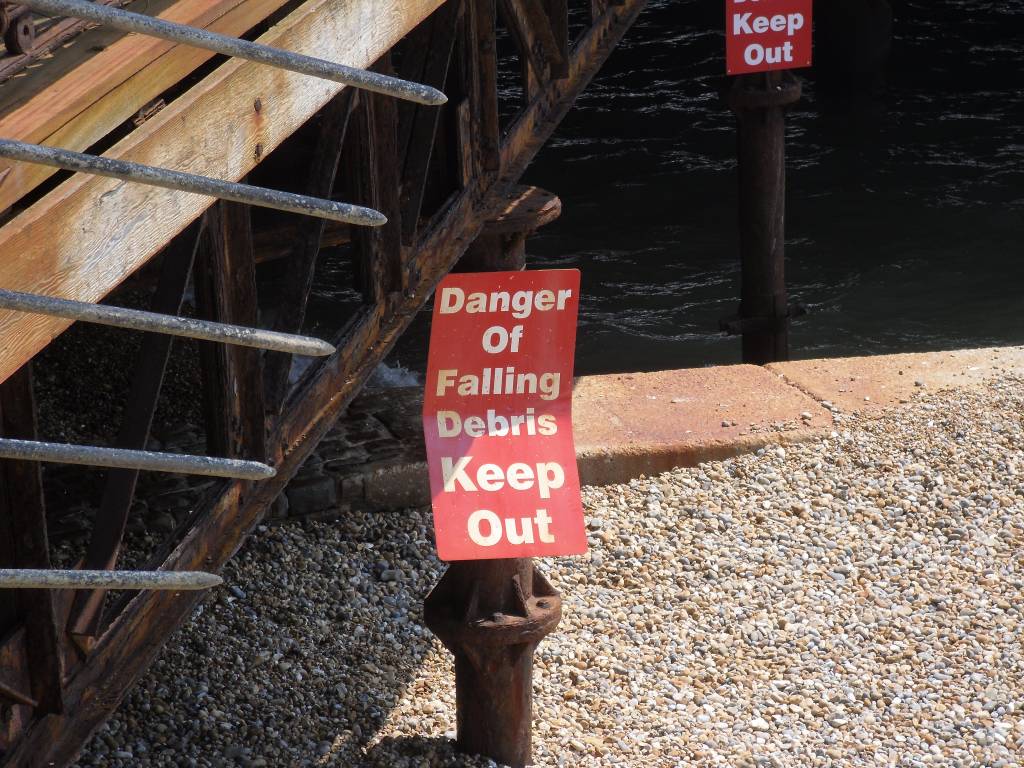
(855, 600)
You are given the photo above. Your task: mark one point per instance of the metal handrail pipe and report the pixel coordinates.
(241, 49)
(40, 578)
(171, 325)
(190, 182)
(122, 458)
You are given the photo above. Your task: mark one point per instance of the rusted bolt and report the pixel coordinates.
(259, 151)
(258, 105)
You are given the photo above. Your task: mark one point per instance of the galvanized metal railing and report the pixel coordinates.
(189, 182)
(121, 458)
(242, 49)
(45, 578)
(139, 320)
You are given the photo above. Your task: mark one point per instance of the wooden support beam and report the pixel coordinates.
(480, 35)
(23, 529)
(434, 40)
(147, 381)
(87, 235)
(529, 23)
(306, 239)
(558, 13)
(232, 376)
(371, 160)
(137, 634)
(74, 100)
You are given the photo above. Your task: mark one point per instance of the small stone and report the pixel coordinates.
(760, 724)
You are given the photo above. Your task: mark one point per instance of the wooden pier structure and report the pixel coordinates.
(437, 173)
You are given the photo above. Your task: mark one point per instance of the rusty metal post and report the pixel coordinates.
(492, 614)
(759, 102)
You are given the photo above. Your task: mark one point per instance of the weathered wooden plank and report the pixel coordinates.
(558, 13)
(75, 109)
(83, 238)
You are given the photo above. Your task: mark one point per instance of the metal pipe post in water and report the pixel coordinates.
(759, 101)
(241, 49)
(492, 614)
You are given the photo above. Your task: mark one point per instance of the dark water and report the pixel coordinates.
(905, 201)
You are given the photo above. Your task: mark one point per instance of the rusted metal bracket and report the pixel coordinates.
(737, 325)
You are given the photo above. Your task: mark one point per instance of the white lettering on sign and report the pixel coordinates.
(497, 416)
(520, 303)
(498, 381)
(521, 534)
(496, 339)
(776, 35)
(548, 476)
(493, 424)
(742, 24)
(755, 54)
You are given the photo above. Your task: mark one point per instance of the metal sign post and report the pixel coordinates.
(762, 40)
(498, 425)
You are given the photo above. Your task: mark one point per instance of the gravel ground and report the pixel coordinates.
(854, 601)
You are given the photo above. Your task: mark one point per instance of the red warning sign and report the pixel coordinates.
(762, 35)
(497, 416)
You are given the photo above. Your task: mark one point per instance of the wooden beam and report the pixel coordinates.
(371, 178)
(418, 126)
(529, 22)
(143, 398)
(480, 35)
(232, 375)
(87, 235)
(306, 239)
(558, 13)
(23, 526)
(100, 90)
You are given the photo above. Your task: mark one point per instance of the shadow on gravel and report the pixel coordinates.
(413, 751)
(302, 658)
